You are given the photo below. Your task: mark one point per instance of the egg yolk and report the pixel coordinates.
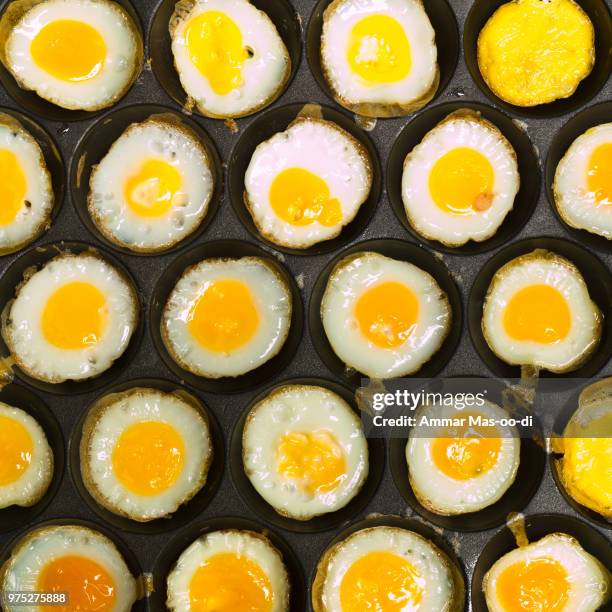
(148, 457)
(599, 174)
(228, 582)
(538, 585)
(74, 317)
(215, 46)
(300, 197)
(379, 50)
(538, 313)
(471, 451)
(461, 182)
(13, 186)
(89, 586)
(16, 448)
(224, 317)
(153, 190)
(387, 314)
(533, 51)
(69, 50)
(381, 581)
(314, 460)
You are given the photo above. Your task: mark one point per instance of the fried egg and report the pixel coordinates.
(71, 319)
(26, 191)
(538, 312)
(77, 54)
(386, 568)
(304, 451)
(229, 570)
(72, 559)
(153, 187)
(379, 58)
(383, 317)
(534, 52)
(305, 184)
(466, 466)
(26, 459)
(460, 181)
(229, 56)
(144, 453)
(583, 182)
(226, 317)
(554, 573)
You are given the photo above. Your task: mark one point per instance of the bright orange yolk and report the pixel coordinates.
(599, 174)
(69, 50)
(379, 50)
(387, 314)
(88, 584)
(153, 190)
(537, 585)
(461, 181)
(13, 186)
(314, 460)
(224, 317)
(74, 317)
(228, 582)
(16, 448)
(300, 197)
(381, 581)
(148, 457)
(470, 452)
(215, 47)
(537, 313)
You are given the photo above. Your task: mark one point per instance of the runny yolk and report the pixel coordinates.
(154, 188)
(381, 581)
(387, 314)
(379, 50)
(69, 50)
(16, 448)
(148, 457)
(599, 174)
(89, 586)
(461, 182)
(300, 197)
(537, 585)
(468, 452)
(74, 317)
(537, 313)
(314, 460)
(224, 317)
(215, 47)
(228, 582)
(13, 186)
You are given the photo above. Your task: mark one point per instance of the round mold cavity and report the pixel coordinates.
(15, 517)
(280, 12)
(536, 527)
(36, 259)
(599, 283)
(168, 557)
(278, 120)
(528, 167)
(31, 102)
(225, 249)
(598, 13)
(576, 126)
(442, 19)
(403, 251)
(97, 141)
(250, 496)
(186, 512)
(518, 495)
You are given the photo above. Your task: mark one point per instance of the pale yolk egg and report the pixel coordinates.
(599, 174)
(13, 186)
(16, 448)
